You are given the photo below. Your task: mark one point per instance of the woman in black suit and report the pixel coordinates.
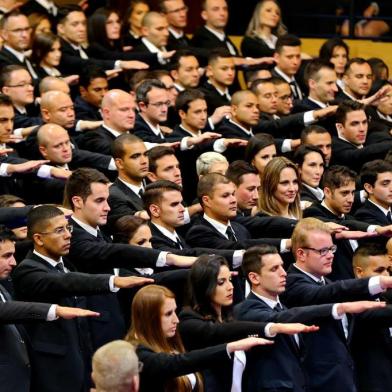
(166, 366)
(132, 23)
(209, 320)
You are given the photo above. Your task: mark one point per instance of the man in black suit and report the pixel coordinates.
(93, 85)
(72, 28)
(352, 126)
(306, 285)
(376, 179)
(47, 7)
(217, 228)
(61, 346)
(281, 367)
(118, 112)
(371, 344)
(16, 33)
(15, 369)
(125, 194)
(317, 136)
(288, 61)
(184, 69)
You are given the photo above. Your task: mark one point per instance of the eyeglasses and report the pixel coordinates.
(182, 9)
(23, 84)
(159, 104)
(59, 230)
(323, 251)
(20, 30)
(285, 97)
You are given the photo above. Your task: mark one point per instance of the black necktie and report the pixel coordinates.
(179, 244)
(295, 89)
(278, 308)
(141, 191)
(321, 282)
(389, 217)
(60, 267)
(100, 236)
(230, 234)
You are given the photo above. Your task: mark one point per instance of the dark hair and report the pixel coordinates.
(370, 249)
(156, 153)
(203, 279)
(145, 87)
(208, 183)
(286, 40)
(153, 192)
(8, 200)
(355, 60)
(97, 26)
(338, 176)
(252, 260)
(6, 234)
(237, 170)
(184, 98)
(37, 218)
(79, 184)
(370, 171)
(119, 142)
(175, 60)
(302, 151)
(90, 73)
(5, 74)
(132, 4)
(257, 143)
(345, 107)
(326, 50)
(314, 67)
(217, 53)
(42, 45)
(13, 14)
(312, 129)
(126, 227)
(65, 10)
(5, 100)
(377, 65)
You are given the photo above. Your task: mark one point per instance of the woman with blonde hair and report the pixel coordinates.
(263, 30)
(166, 365)
(279, 195)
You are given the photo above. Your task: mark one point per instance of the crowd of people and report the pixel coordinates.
(247, 189)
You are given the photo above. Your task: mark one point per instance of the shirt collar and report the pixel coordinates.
(355, 145)
(112, 131)
(190, 133)
(52, 262)
(175, 33)
(325, 206)
(217, 225)
(315, 278)
(270, 302)
(133, 188)
(151, 47)
(318, 192)
(91, 230)
(52, 71)
(222, 93)
(287, 78)
(19, 55)
(166, 232)
(219, 35)
(319, 103)
(48, 5)
(20, 109)
(247, 131)
(179, 87)
(157, 130)
(384, 210)
(386, 117)
(350, 96)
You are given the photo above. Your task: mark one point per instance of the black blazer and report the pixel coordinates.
(86, 111)
(122, 201)
(255, 47)
(7, 58)
(289, 126)
(213, 98)
(371, 214)
(328, 362)
(345, 153)
(143, 130)
(279, 366)
(160, 368)
(205, 235)
(153, 61)
(15, 364)
(97, 140)
(61, 345)
(307, 195)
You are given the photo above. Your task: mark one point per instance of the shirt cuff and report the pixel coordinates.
(211, 124)
(219, 145)
(283, 246)
(371, 228)
(184, 144)
(51, 316)
(149, 145)
(237, 258)
(309, 117)
(375, 286)
(117, 64)
(44, 171)
(335, 313)
(78, 126)
(161, 60)
(187, 217)
(3, 170)
(112, 287)
(18, 132)
(161, 261)
(286, 145)
(267, 331)
(112, 165)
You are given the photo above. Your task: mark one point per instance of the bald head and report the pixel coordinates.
(238, 96)
(54, 144)
(155, 28)
(245, 109)
(57, 107)
(51, 83)
(118, 110)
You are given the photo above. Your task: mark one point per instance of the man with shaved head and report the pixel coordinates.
(53, 83)
(118, 113)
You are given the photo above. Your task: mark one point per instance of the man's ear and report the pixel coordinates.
(152, 176)
(60, 29)
(204, 15)
(45, 114)
(43, 151)
(358, 272)
(155, 210)
(77, 202)
(327, 192)
(254, 278)
(37, 239)
(368, 188)
(119, 163)
(206, 200)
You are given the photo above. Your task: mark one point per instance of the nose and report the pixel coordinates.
(283, 273)
(12, 261)
(175, 318)
(106, 206)
(255, 194)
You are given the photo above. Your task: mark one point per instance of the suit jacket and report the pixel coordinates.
(72, 63)
(15, 364)
(153, 62)
(308, 195)
(327, 360)
(297, 79)
(205, 235)
(61, 345)
(143, 130)
(371, 214)
(86, 111)
(279, 366)
(97, 140)
(122, 201)
(345, 153)
(213, 98)
(7, 58)
(255, 47)
(160, 368)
